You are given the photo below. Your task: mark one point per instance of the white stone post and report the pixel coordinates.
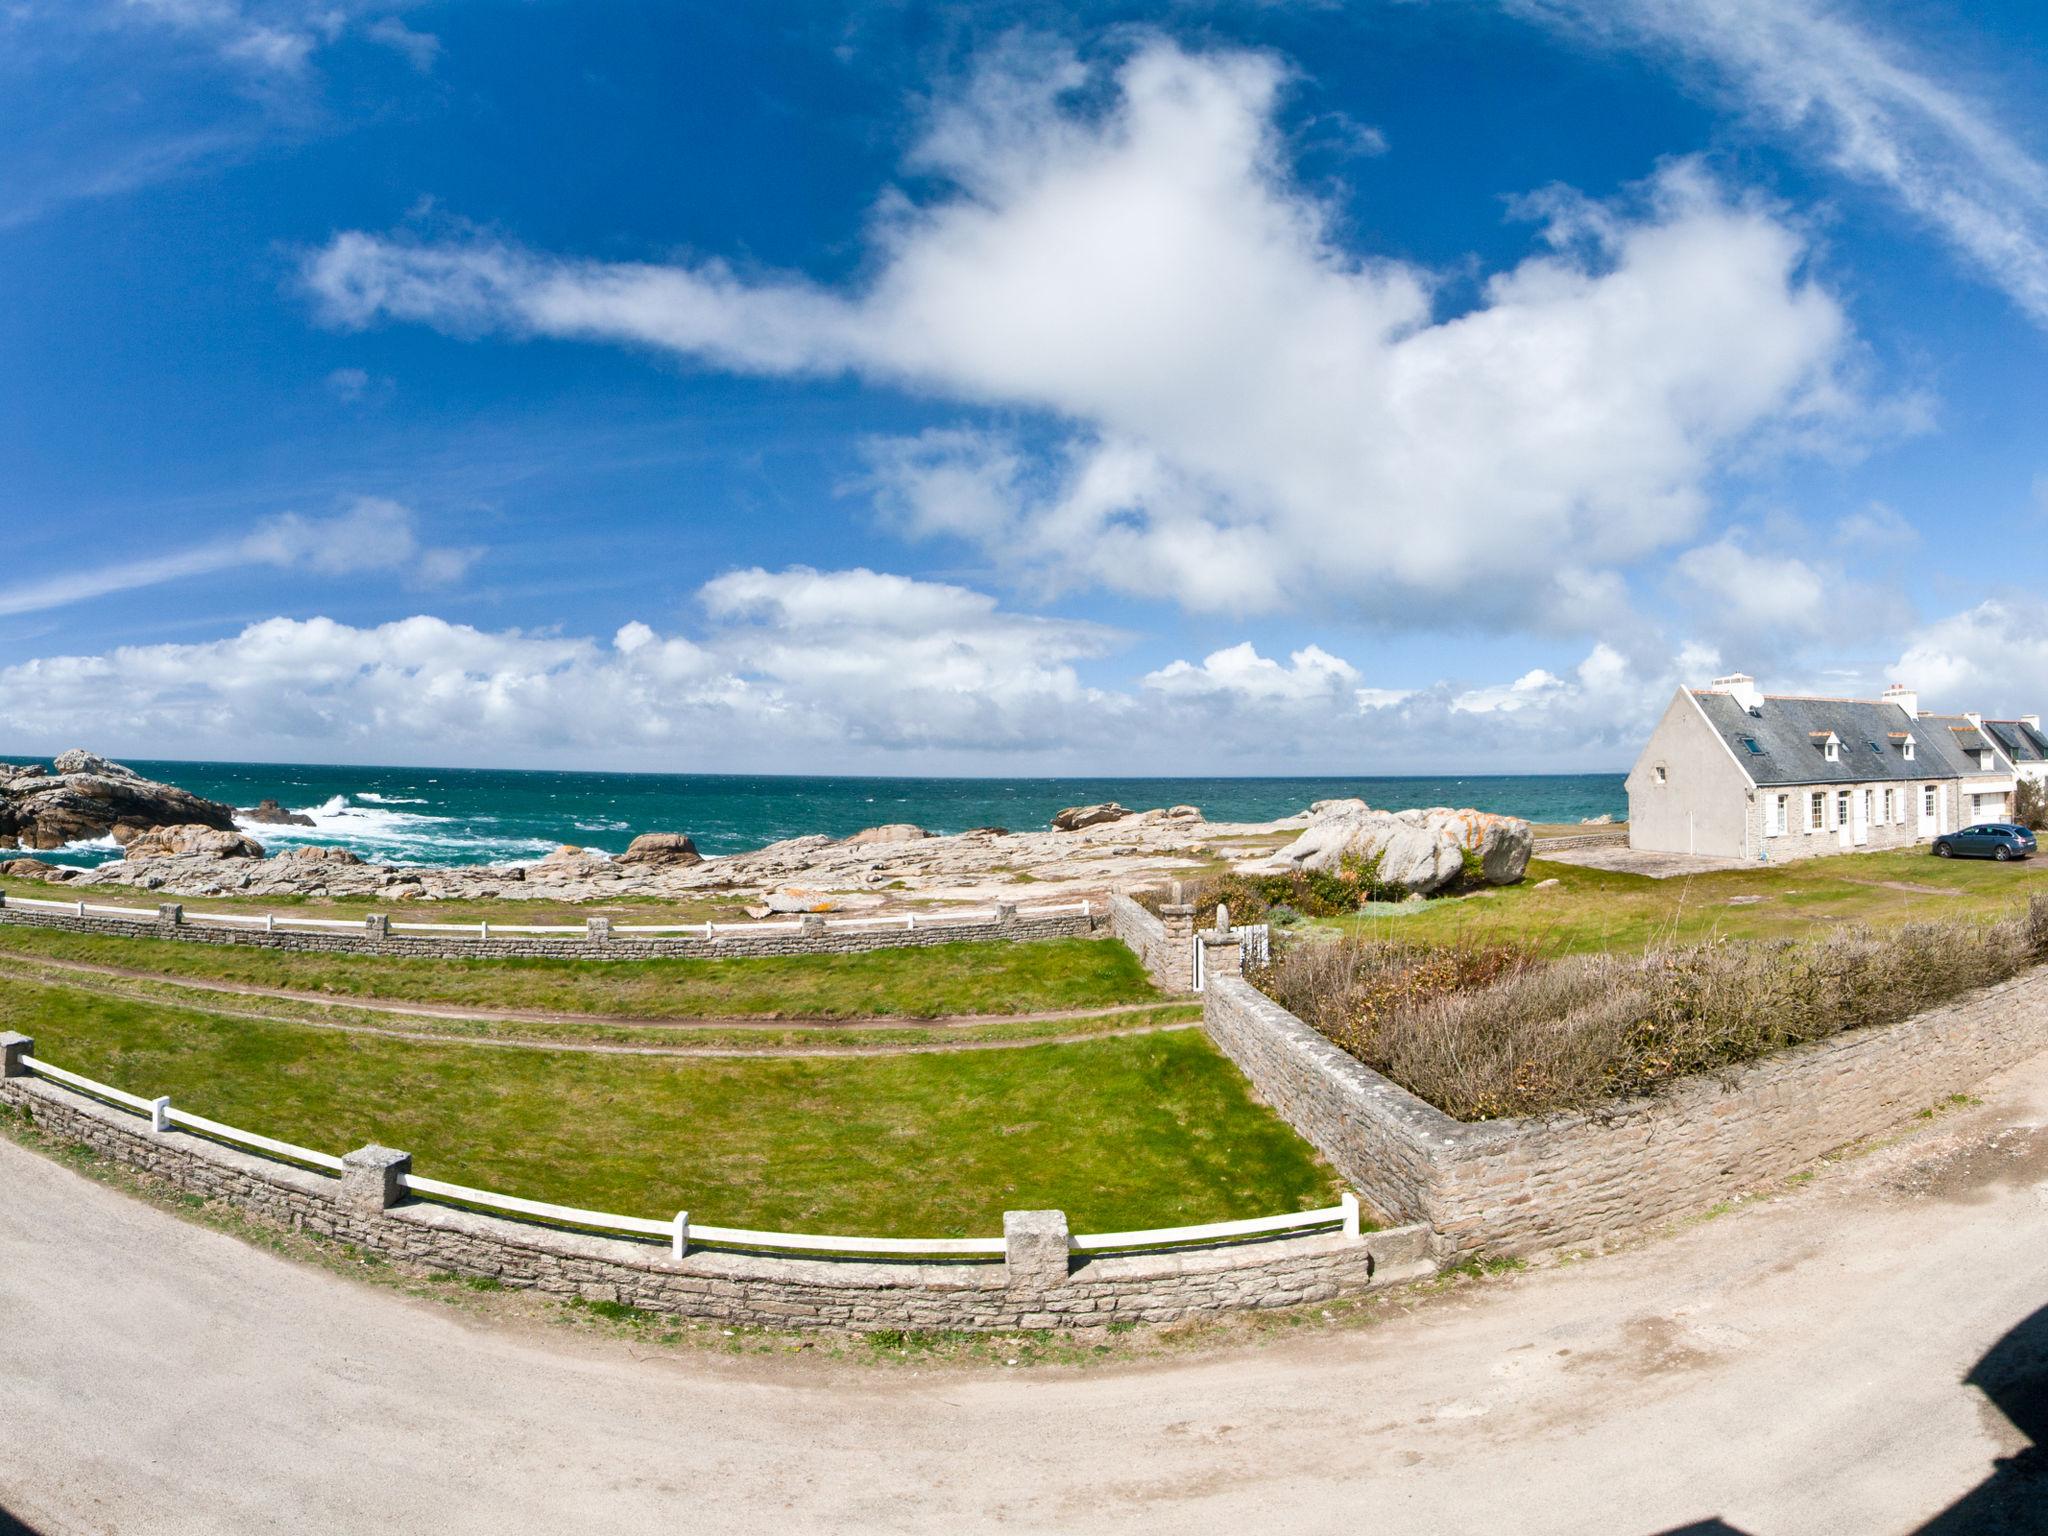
(1354, 1221)
(160, 1114)
(170, 914)
(1006, 913)
(12, 1048)
(679, 1244)
(813, 925)
(598, 930)
(377, 926)
(372, 1180)
(1035, 1249)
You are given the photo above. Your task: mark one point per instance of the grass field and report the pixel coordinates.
(1591, 909)
(1151, 1131)
(997, 977)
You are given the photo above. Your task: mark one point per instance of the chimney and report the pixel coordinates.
(1740, 687)
(1906, 698)
(2031, 722)
(1975, 717)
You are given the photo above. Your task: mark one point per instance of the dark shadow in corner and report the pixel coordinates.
(2013, 1500)
(10, 1526)
(1714, 1527)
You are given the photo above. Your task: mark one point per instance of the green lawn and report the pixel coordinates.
(1591, 909)
(998, 977)
(1152, 1131)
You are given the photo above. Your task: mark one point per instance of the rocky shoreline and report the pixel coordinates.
(179, 844)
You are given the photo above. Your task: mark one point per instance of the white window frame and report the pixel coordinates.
(1832, 750)
(1817, 811)
(1781, 815)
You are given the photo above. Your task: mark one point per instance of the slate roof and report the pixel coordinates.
(2022, 743)
(1790, 733)
(1964, 733)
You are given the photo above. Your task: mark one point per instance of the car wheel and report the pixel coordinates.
(1943, 851)
(2004, 855)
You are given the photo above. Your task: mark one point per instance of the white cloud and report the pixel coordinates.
(1241, 672)
(795, 664)
(1763, 594)
(1992, 657)
(419, 49)
(793, 668)
(371, 534)
(1253, 415)
(1870, 108)
(1877, 529)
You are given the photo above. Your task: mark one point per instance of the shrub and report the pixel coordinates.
(2030, 804)
(1485, 1031)
(1302, 892)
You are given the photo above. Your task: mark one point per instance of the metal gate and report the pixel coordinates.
(1254, 947)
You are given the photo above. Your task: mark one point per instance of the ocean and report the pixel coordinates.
(479, 816)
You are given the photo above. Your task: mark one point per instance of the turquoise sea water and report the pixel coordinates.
(469, 816)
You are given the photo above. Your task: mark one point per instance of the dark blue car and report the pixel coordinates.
(1999, 840)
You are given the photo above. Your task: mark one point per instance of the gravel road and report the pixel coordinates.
(1798, 1366)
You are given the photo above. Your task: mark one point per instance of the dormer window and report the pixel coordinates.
(1903, 740)
(1830, 745)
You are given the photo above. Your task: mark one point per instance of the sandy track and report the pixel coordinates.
(104, 985)
(1797, 1366)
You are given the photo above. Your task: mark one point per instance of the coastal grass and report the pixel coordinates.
(1150, 1131)
(1485, 1030)
(1598, 911)
(993, 977)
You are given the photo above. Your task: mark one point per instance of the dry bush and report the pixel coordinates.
(1489, 1032)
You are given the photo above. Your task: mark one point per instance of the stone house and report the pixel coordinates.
(1733, 772)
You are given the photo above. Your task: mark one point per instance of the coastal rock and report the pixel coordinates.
(661, 850)
(1421, 851)
(88, 797)
(1077, 817)
(892, 832)
(193, 841)
(27, 869)
(268, 813)
(318, 853)
(797, 899)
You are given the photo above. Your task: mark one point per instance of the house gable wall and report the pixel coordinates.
(1703, 805)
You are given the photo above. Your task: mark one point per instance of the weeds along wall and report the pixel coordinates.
(744, 1288)
(600, 943)
(1561, 1180)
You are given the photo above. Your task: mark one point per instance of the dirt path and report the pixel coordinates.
(109, 987)
(545, 1016)
(1798, 1366)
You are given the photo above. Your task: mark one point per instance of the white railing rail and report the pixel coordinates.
(678, 1229)
(270, 922)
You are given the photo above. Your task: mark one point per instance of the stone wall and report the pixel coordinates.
(1165, 945)
(748, 1288)
(601, 942)
(1520, 1186)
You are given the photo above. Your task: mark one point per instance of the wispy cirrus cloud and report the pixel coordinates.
(371, 534)
(1866, 104)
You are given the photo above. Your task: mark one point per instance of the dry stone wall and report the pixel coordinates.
(1164, 945)
(739, 1287)
(1520, 1186)
(601, 942)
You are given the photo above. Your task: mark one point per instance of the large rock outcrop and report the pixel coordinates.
(1075, 818)
(662, 850)
(87, 797)
(268, 813)
(892, 832)
(192, 842)
(1421, 851)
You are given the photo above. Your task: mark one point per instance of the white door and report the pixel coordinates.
(1924, 799)
(1863, 818)
(1844, 817)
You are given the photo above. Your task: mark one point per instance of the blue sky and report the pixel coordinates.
(1414, 386)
